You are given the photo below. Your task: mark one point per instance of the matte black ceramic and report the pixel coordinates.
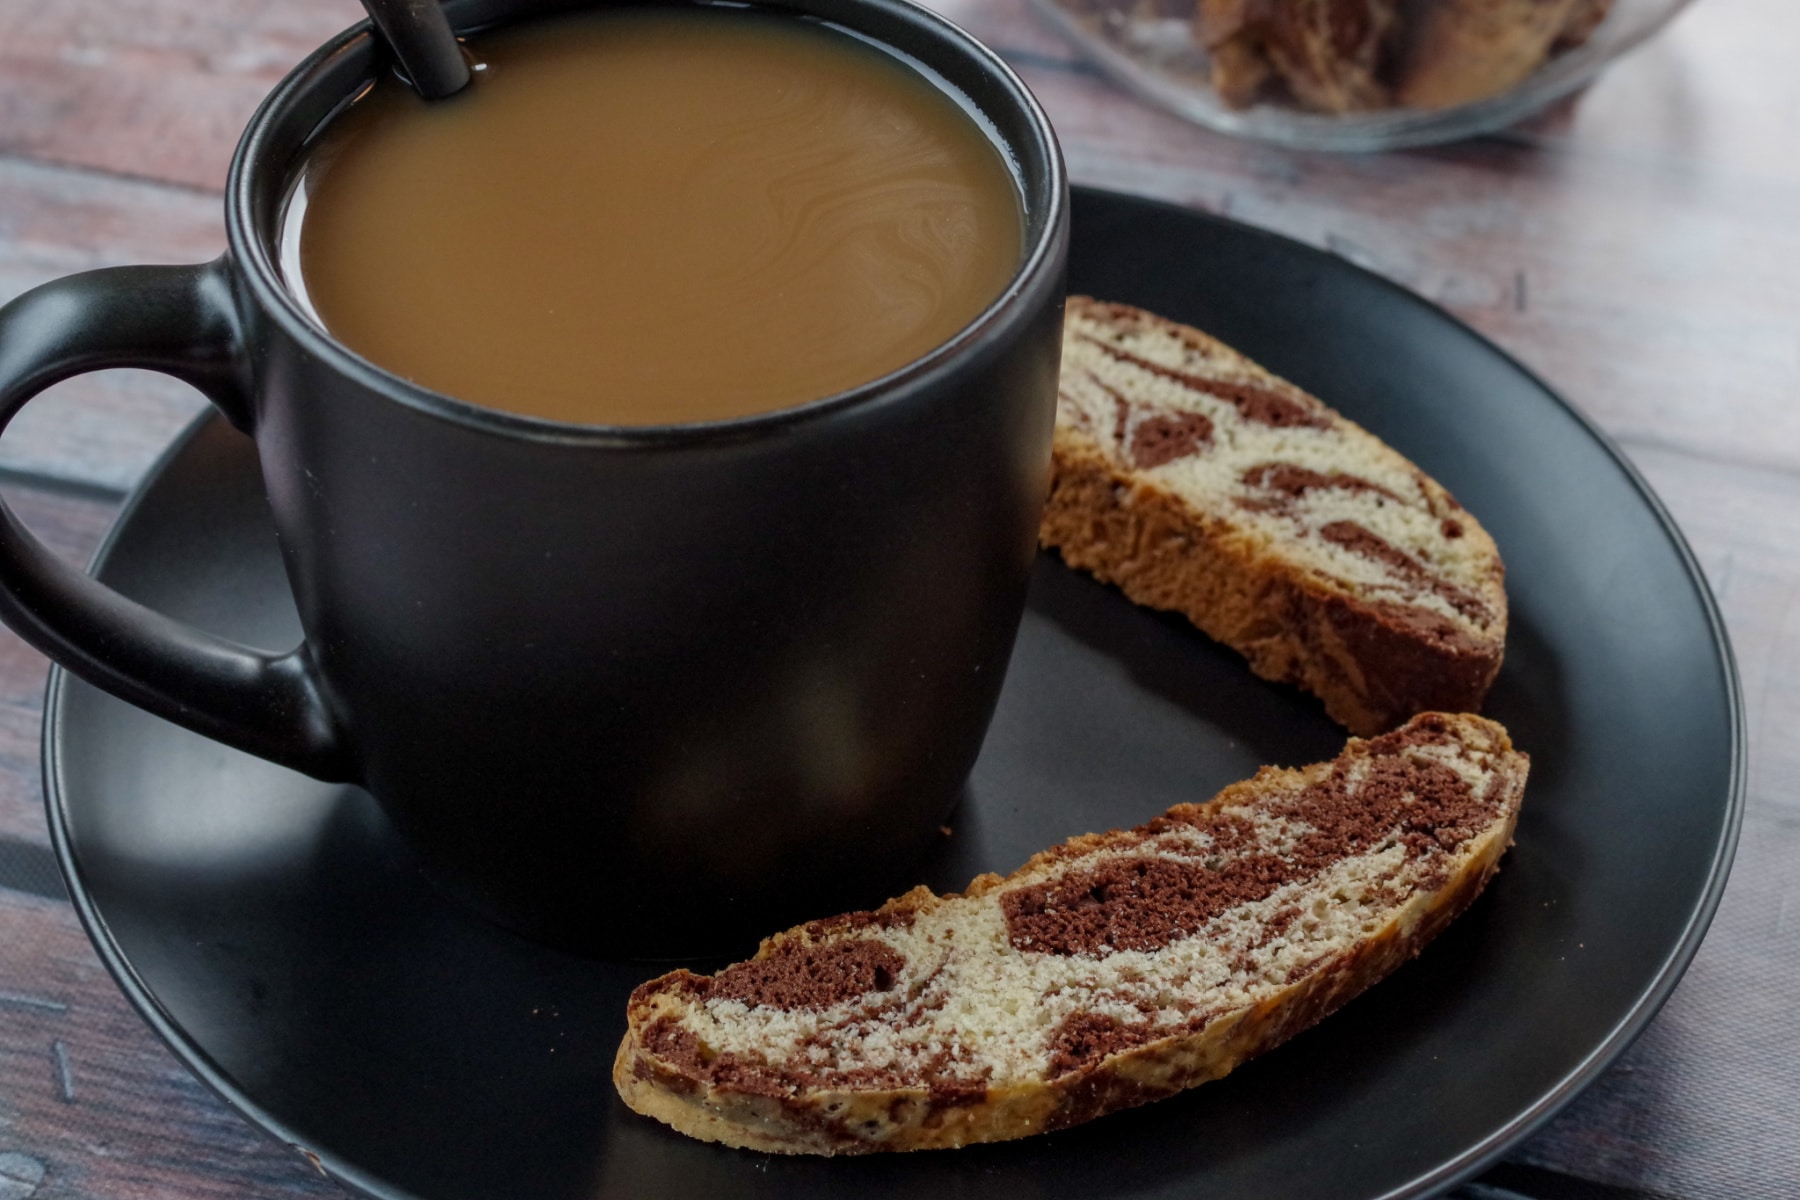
(271, 928)
(622, 688)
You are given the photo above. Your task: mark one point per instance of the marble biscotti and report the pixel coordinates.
(1112, 970)
(1200, 483)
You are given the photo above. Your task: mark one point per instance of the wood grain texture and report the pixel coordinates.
(150, 88)
(1636, 246)
(89, 1094)
(106, 428)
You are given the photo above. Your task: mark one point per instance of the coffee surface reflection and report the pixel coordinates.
(657, 217)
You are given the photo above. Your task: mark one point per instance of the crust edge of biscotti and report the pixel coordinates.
(913, 1119)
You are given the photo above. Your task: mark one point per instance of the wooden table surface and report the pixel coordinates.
(1638, 247)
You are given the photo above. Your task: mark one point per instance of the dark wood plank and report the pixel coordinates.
(90, 1096)
(73, 527)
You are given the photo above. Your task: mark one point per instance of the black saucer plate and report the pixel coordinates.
(273, 932)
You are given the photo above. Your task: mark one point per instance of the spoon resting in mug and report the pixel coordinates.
(419, 35)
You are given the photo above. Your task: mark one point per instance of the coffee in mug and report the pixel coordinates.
(657, 216)
(630, 689)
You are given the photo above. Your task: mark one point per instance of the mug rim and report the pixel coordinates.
(257, 261)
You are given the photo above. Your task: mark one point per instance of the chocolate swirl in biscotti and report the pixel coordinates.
(1199, 482)
(1106, 972)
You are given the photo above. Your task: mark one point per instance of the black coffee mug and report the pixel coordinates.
(626, 690)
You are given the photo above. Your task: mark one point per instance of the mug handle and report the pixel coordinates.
(182, 322)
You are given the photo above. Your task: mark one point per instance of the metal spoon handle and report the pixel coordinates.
(419, 34)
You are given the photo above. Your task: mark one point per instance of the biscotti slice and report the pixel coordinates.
(1328, 53)
(1198, 482)
(1460, 51)
(1113, 970)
